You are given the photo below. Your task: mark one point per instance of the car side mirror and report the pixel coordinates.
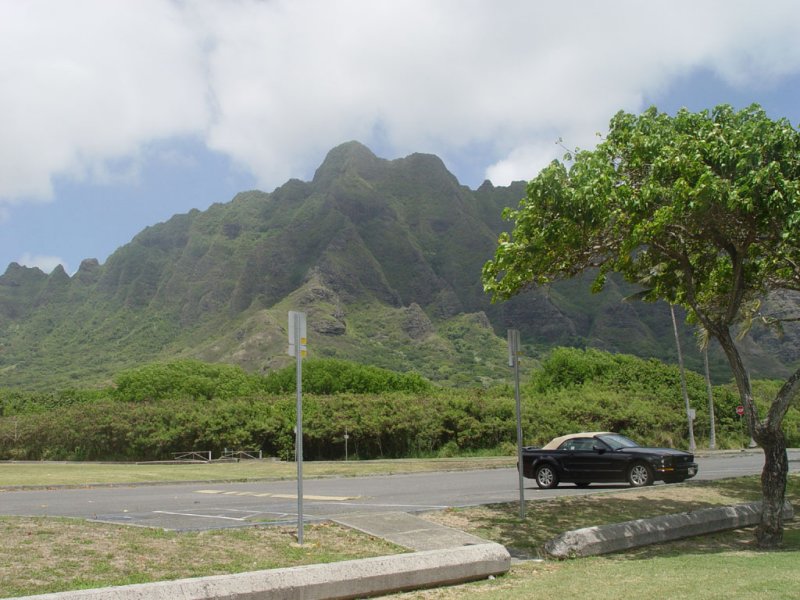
(599, 449)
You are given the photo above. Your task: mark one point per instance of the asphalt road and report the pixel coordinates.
(218, 505)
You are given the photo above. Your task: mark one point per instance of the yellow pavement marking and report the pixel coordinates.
(320, 498)
(279, 496)
(330, 498)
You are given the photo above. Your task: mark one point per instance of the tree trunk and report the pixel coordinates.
(769, 436)
(773, 486)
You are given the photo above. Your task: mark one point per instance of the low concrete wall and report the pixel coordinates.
(603, 539)
(346, 579)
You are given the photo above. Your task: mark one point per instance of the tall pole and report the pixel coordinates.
(683, 379)
(299, 439)
(712, 436)
(513, 361)
(297, 341)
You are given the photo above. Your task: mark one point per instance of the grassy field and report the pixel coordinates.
(41, 554)
(15, 474)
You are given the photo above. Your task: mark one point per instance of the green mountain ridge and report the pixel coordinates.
(384, 256)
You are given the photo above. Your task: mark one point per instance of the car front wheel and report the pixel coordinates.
(640, 475)
(546, 477)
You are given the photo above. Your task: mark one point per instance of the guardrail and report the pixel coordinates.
(242, 454)
(205, 455)
(193, 455)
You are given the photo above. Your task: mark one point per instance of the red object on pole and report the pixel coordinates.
(740, 410)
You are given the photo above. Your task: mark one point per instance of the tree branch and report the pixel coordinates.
(783, 399)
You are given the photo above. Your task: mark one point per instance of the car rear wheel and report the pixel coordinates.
(546, 477)
(640, 475)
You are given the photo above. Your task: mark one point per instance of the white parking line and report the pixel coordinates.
(180, 514)
(412, 506)
(279, 496)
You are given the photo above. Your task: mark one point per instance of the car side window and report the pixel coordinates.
(578, 445)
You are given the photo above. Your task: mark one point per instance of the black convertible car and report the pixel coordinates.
(604, 457)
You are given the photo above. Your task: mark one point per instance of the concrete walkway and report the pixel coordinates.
(409, 531)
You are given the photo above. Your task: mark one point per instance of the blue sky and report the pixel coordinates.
(115, 115)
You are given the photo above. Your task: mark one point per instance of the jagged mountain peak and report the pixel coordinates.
(16, 273)
(351, 156)
(430, 166)
(355, 158)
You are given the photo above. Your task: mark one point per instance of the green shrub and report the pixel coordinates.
(333, 376)
(184, 378)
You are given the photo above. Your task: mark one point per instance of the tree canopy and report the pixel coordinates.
(701, 209)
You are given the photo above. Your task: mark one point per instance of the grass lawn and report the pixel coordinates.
(14, 474)
(672, 572)
(41, 554)
(721, 566)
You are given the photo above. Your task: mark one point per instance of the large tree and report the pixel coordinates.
(702, 210)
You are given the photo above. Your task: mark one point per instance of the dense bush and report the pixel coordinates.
(15, 402)
(332, 376)
(148, 416)
(598, 391)
(595, 390)
(203, 381)
(184, 379)
(388, 425)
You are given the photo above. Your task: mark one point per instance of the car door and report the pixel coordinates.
(617, 463)
(579, 459)
(602, 466)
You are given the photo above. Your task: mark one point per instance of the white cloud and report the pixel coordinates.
(274, 84)
(523, 161)
(45, 263)
(87, 82)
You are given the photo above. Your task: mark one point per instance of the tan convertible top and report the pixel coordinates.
(556, 442)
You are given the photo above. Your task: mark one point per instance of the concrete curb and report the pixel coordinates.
(603, 539)
(347, 579)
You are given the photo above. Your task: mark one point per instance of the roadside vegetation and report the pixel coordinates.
(158, 410)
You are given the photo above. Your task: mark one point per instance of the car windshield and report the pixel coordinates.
(617, 441)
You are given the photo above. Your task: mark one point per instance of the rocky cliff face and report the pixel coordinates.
(384, 256)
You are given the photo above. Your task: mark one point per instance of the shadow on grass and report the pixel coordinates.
(737, 540)
(546, 519)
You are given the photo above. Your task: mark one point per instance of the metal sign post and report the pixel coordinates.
(297, 348)
(513, 361)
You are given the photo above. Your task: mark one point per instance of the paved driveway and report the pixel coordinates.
(218, 505)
